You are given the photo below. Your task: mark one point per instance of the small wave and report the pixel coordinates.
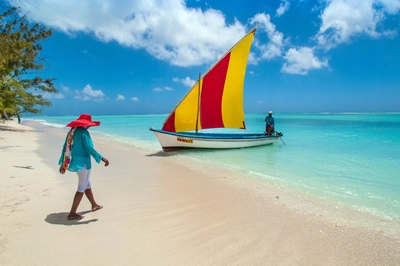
(53, 124)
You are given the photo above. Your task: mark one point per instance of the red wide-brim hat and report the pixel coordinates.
(84, 120)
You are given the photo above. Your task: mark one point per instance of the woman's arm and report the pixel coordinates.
(88, 144)
(106, 162)
(61, 160)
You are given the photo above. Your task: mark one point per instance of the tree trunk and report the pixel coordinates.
(4, 115)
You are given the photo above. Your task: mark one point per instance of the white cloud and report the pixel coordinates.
(168, 30)
(88, 94)
(283, 7)
(135, 99)
(86, 52)
(64, 88)
(390, 6)
(253, 59)
(344, 19)
(301, 61)
(275, 45)
(49, 96)
(188, 82)
(157, 89)
(120, 98)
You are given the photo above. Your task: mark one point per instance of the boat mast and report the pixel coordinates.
(198, 105)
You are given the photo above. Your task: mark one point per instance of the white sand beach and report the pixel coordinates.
(157, 211)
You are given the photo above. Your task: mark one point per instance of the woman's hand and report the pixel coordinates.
(106, 162)
(62, 170)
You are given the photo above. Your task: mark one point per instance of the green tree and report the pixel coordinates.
(21, 87)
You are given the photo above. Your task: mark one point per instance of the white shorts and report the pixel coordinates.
(83, 180)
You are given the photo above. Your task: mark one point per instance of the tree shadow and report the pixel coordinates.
(60, 218)
(7, 128)
(29, 167)
(7, 147)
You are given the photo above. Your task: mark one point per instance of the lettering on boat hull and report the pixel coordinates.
(186, 140)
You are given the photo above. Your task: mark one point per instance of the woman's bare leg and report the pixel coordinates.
(72, 214)
(89, 195)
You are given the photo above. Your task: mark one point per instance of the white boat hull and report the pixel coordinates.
(170, 141)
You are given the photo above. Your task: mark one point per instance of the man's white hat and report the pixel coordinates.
(270, 112)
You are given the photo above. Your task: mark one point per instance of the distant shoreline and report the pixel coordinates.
(246, 113)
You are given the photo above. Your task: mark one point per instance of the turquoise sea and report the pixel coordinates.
(340, 160)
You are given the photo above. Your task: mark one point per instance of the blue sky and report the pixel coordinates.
(139, 57)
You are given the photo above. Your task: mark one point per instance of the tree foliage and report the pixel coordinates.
(21, 87)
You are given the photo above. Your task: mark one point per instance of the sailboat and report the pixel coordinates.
(214, 102)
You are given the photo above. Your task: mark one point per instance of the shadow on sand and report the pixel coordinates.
(161, 154)
(4, 127)
(60, 218)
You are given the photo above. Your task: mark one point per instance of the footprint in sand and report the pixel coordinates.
(43, 192)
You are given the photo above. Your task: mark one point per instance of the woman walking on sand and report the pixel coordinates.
(75, 157)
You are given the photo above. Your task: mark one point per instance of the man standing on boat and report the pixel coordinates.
(270, 123)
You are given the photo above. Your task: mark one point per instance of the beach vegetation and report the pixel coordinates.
(23, 88)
